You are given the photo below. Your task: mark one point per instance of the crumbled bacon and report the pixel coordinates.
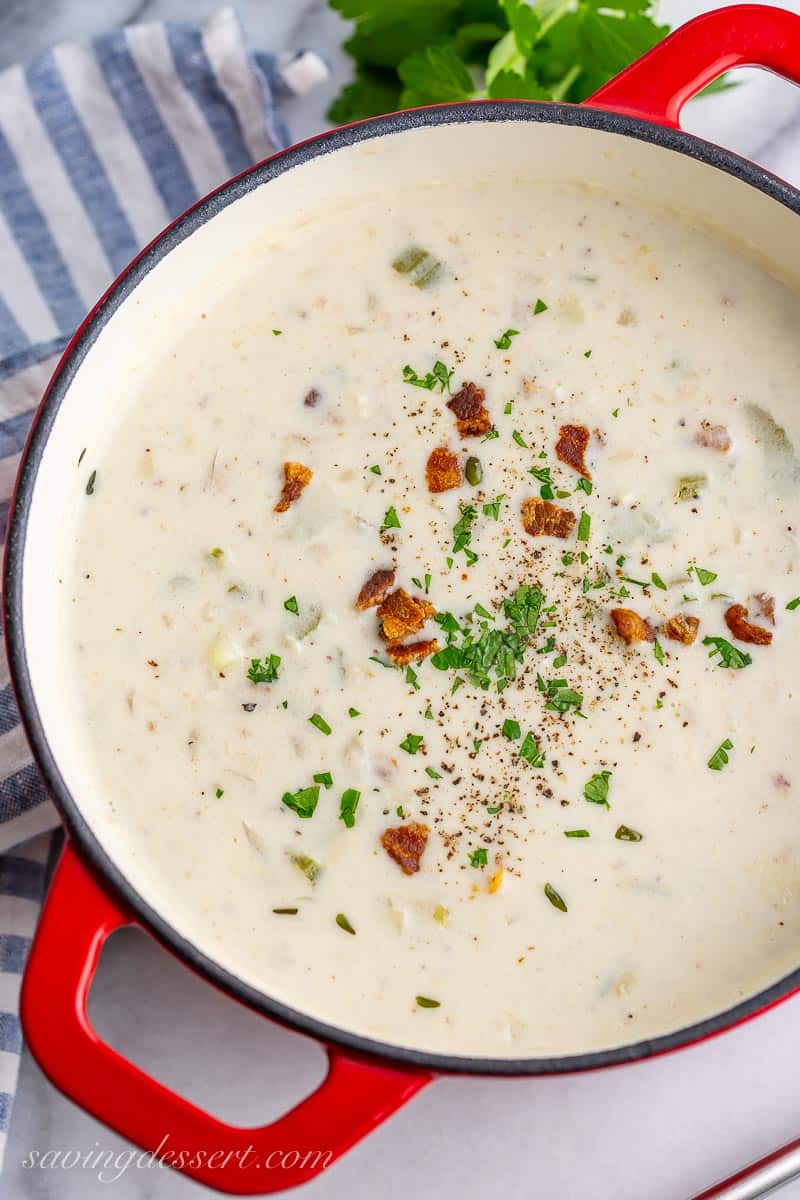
(374, 590)
(469, 408)
(443, 470)
(401, 615)
(413, 652)
(406, 844)
(542, 518)
(296, 477)
(631, 627)
(682, 628)
(312, 398)
(766, 606)
(741, 628)
(571, 447)
(713, 437)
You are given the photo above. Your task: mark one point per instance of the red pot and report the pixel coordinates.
(90, 897)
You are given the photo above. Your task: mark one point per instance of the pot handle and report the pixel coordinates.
(356, 1095)
(657, 86)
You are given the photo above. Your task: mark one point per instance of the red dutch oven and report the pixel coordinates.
(90, 896)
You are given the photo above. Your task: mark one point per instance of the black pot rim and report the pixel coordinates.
(600, 120)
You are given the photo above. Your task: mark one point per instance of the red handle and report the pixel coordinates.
(657, 86)
(353, 1098)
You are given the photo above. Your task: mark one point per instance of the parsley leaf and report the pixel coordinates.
(596, 789)
(264, 672)
(391, 520)
(348, 805)
(729, 655)
(303, 802)
(504, 341)
(439, 377)
(412, 743)
(719, 758)
(479, 857)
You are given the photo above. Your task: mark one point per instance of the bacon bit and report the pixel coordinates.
(682, 628)
(374, 590)
(406, 844)
(542, 518)
(631, 627)
(312, 398)
(472, 417)
(496, 881)
(413, 652)
(740, 627)
(401, 615)
(766, 606)
(443, 470)
(713, 437)
(296, 477)
(571, 447)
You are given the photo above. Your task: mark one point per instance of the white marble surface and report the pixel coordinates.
(661, 1131)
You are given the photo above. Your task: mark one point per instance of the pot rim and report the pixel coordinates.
(601, 120)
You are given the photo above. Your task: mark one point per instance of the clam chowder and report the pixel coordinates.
(435, 617)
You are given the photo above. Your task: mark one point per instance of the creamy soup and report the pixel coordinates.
(433, 616)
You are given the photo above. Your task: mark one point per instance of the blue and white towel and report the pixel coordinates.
(100, 147)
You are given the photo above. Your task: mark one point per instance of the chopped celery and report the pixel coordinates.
(419, 265)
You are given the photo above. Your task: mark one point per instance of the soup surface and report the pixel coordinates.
(433, 618)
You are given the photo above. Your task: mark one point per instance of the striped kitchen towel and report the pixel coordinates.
(100, 147)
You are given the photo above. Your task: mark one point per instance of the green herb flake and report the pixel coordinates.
(492, 509)
(504, 341)
(584, 526)
(321, 724)
(439, 377)
(626, 834)
(412, 742)
(348, 805)
(585, 485)
(303, 802)
(219, 793)
(353, 712)
(529, 750)
(264, 671)
(434, 774)
(704, 577)
(291, 605)
(658, 652)
(657, 581)
(426, 1002)
(479, 857)
(539, 307)
(277, 332)
(719, 758)
(596, 789)
(511, 730)
(325, 778)
(577, 833)
(793, 604)
(391, 519)
(555, 899)
(519, 439)
(729, 655)
(343, 923)
(375, 469)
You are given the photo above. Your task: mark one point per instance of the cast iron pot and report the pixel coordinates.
(626, 136)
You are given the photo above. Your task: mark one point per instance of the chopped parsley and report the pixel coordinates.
(353, 712)
(704, 577)
(511, 730)
(439, 377)
(325, 778)
(577, 833)
(462, 533)
(303, 802)
(412, 743)
(479, 857)
(484, 653)
(519, 439)
(584, 526)
(348, 805)
(529, 750)
(585, 485)
(658, 652)
(504, 341)
(343, 923)
(426, 1002)
(291, 605)
(719, 758)
(376, 470)
(320, 723)
(554, 898)
(434, 774)
(265, 671)
(391, 520)
(220, 792)
(658, 581)
(492, 509)
(793, 604)
(729, 655)
(539, 307)
(596, 790)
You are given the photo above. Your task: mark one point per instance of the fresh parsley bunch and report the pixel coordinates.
(411, 52)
